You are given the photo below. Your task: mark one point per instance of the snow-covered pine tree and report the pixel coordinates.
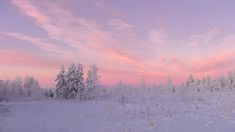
(61, 86)
(74, 82)
(71, 90)
(92, 82)
(79, 82)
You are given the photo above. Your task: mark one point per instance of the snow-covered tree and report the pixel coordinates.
(28, 85)
(7, 90)
(170, 84)
(17, 88)
(121, 92)
(143, 86)
(197, 84)
(61, 86)
(71, 90)
(79, 83)
(74, 82)
(190, 80)
(92, 82)
(208, 84)
(231, 80)
(3, 90)
(31, 87)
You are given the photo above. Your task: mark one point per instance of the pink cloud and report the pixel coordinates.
(219, 62)
(46, 46)
(28, 60)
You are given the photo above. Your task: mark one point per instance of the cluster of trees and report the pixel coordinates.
(221, 83)
(71, 83)
(191, 89)
(20, 88)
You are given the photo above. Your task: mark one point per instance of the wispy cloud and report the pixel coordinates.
(203, 38)
(105, 8)
(28, 60)
(119, 24)
(158, 38)
(40, 43)
(222, 61)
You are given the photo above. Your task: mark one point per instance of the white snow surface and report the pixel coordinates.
(164, 113)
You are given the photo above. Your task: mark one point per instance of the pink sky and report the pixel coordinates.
(150, 39)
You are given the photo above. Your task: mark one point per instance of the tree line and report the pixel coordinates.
(71, 84)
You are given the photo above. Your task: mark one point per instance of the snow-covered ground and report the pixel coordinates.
(165, 113)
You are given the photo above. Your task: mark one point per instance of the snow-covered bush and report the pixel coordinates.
(102, 92)
(49, 93)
